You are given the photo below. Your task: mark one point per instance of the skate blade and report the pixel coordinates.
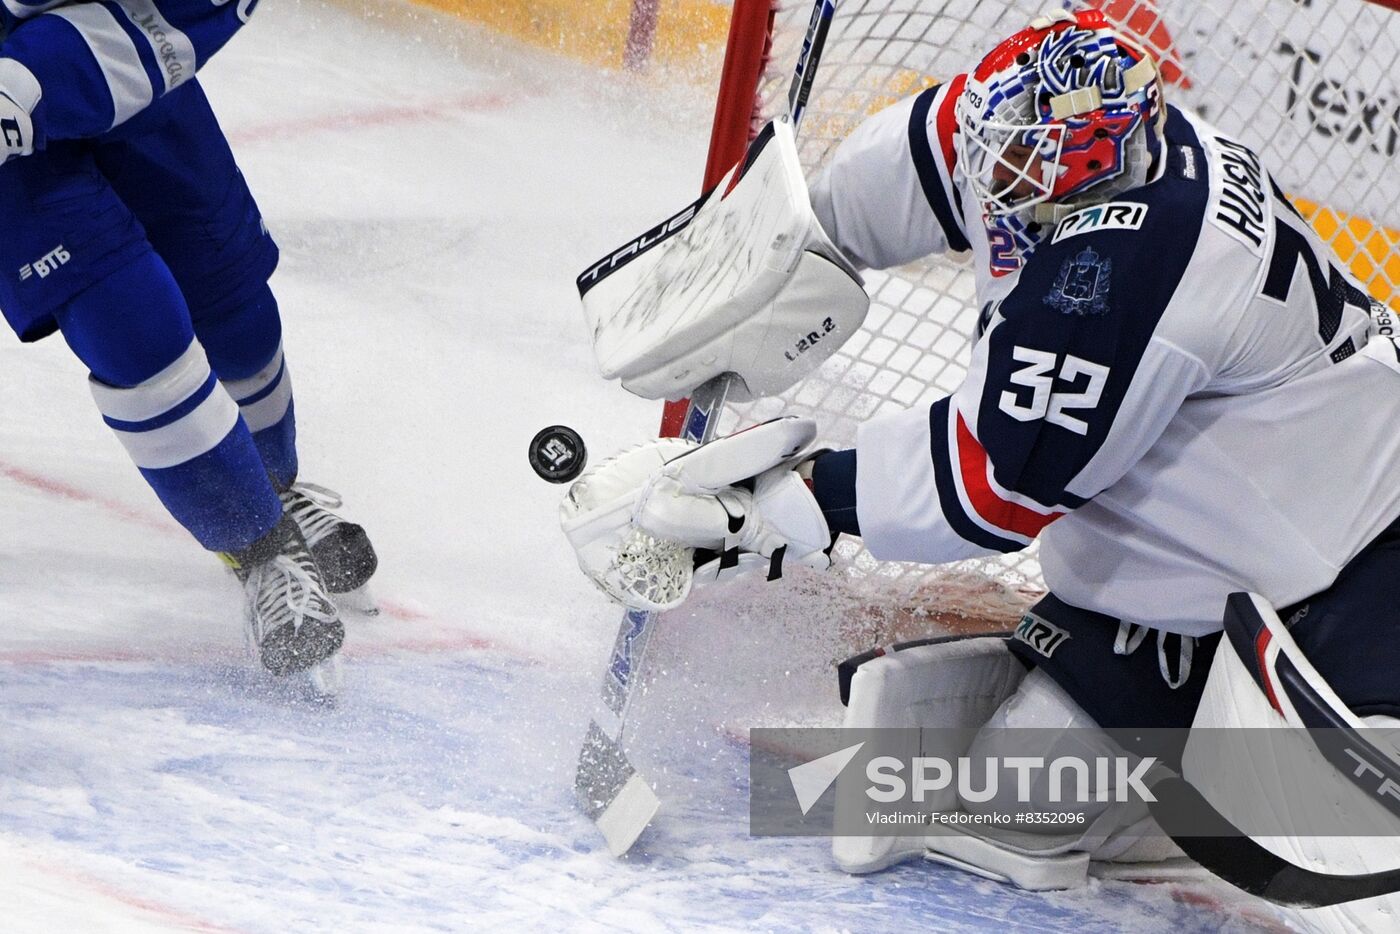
(326, 680)
(358, 601)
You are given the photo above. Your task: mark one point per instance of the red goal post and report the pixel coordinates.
(1310, 84)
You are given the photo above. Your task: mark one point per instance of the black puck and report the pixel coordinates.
(558, 454)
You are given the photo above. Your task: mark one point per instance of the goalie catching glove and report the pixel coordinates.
(650, 520)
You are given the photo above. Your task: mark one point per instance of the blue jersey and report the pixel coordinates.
(83, 68)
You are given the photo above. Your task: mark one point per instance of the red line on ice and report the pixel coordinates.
(87, 656)
(176, 916)
(78, 495)
(476, 102)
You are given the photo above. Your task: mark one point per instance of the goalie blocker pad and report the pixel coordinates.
(744, 281)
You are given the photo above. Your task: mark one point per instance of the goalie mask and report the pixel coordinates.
(1063, 114)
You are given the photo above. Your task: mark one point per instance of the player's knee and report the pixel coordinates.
(129, 326)
(240, 336)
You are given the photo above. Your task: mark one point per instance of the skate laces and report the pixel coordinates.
(287, 592)
(310, 505)
(320, 495)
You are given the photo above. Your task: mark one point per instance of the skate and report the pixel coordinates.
(342, 549)
(292, 623)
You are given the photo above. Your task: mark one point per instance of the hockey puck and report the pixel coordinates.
(558, 454)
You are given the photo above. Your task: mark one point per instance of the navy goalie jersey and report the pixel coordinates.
(1179, 392)
(82, 68)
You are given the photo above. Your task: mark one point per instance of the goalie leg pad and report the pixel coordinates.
(1261, 680)
(956, 684)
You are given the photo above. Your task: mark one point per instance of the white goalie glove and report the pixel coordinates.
(648, 522)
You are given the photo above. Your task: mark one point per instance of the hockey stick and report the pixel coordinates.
(1242, 862)
(610, 791)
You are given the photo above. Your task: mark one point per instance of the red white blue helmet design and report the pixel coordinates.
(1066, 113)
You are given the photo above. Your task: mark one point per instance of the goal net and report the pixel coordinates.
(1310, 84)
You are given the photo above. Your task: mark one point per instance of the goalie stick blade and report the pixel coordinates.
(623, 821)
(611, 793)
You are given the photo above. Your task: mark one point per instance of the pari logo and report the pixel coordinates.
(1043, 636)
(1114, 215)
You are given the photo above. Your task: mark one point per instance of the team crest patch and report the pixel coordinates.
(1081, 287)
(1040, 634)
(1115, 215)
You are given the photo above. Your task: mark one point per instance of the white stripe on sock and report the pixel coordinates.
(186, 438)
(157, 395)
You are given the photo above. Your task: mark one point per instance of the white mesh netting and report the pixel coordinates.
(1310, 85)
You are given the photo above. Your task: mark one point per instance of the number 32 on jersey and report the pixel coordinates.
(1039, 374)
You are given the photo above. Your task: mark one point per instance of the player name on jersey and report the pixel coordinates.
(1240, 208)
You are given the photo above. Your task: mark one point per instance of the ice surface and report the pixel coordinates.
(434, 193)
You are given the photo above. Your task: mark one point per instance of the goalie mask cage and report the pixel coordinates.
(1310, 84)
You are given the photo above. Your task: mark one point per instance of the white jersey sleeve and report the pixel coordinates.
(887, 196)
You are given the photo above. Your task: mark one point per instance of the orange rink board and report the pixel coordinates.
(681, 34)
(677, 32)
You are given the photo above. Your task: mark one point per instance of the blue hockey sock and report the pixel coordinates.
(265, 400)
(245, 349)
(155, 389)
